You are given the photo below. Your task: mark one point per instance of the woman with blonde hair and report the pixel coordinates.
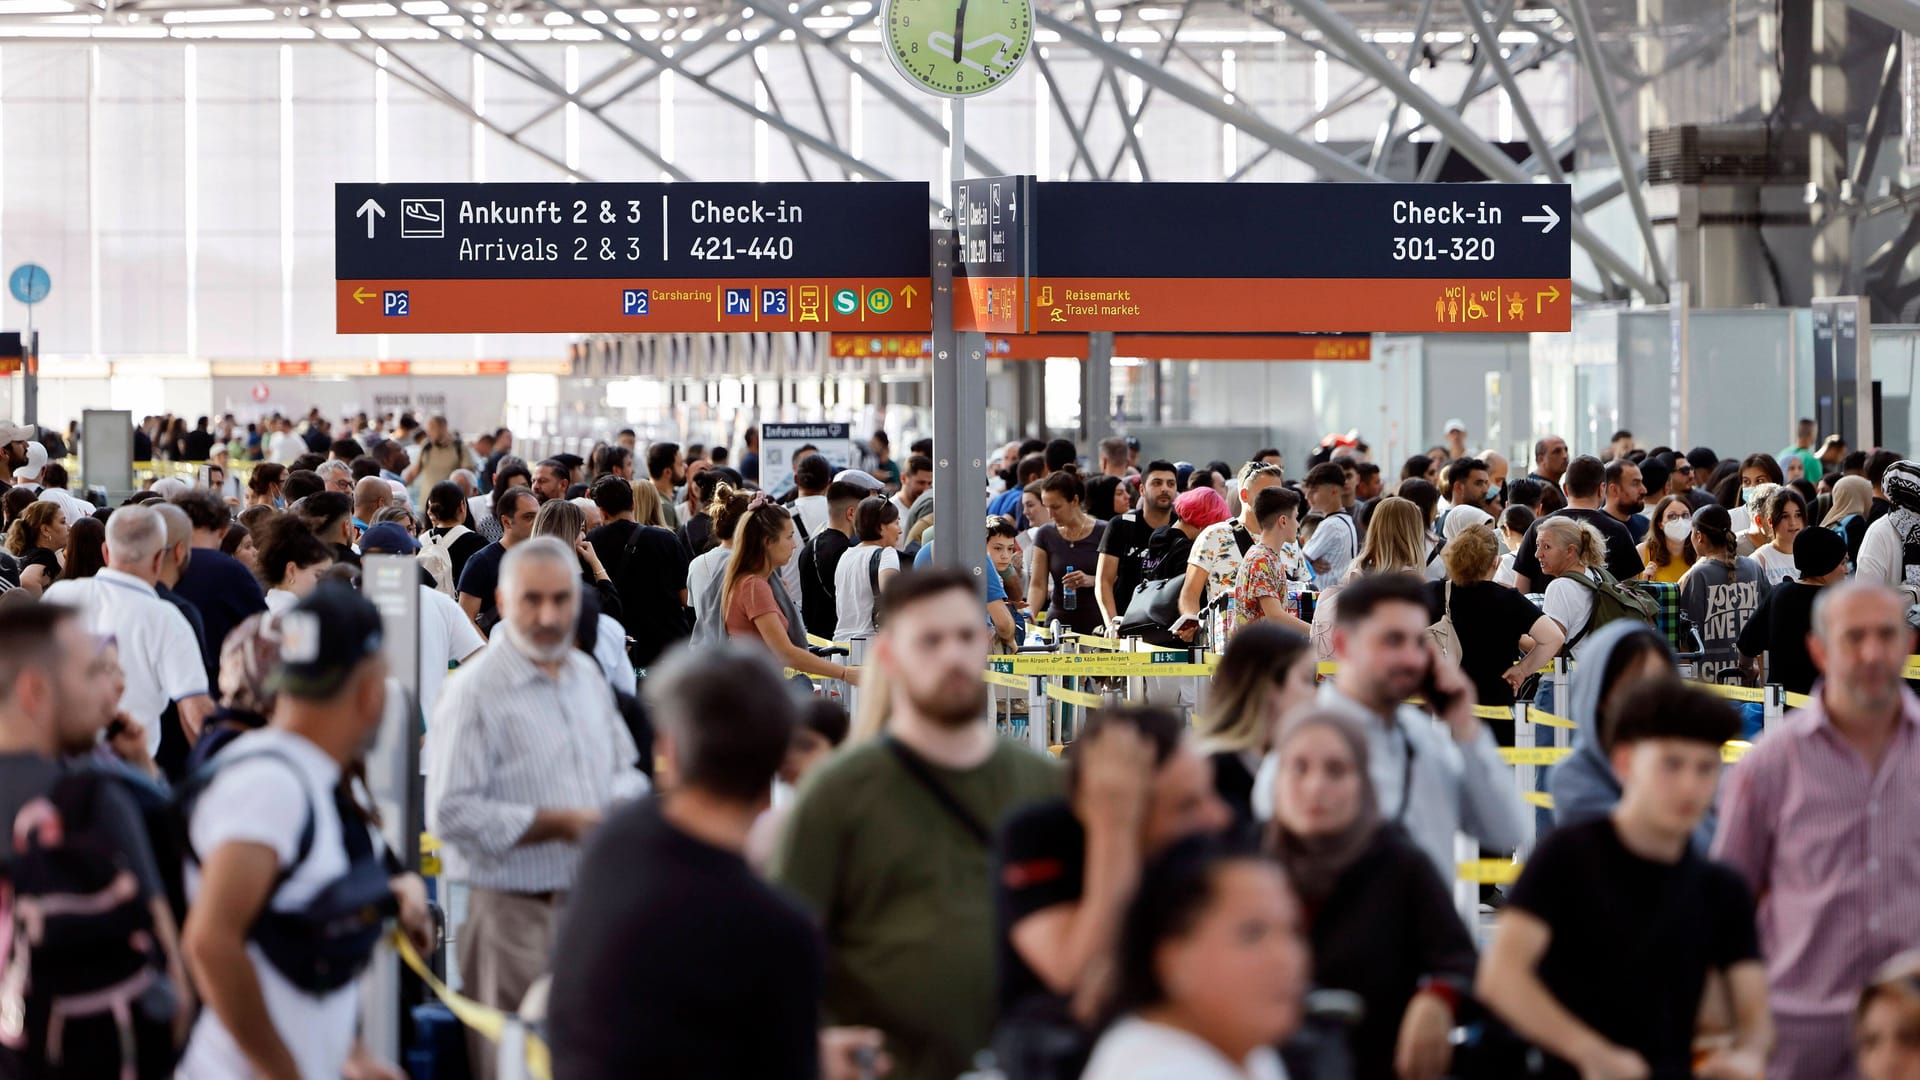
(1886, 1022)
(1493, 623)
(647, 508)
(1396, 540)
(1266, 673)
(751, 599)
(1567, 548)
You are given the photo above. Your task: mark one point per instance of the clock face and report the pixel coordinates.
(994, 38)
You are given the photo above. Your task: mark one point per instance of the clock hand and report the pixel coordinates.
(959, 24)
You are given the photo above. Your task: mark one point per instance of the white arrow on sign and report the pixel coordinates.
(1549, 220)
(371, 210)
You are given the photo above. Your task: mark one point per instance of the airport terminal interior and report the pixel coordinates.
(960, 539)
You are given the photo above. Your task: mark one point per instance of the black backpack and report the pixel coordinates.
(83, 983)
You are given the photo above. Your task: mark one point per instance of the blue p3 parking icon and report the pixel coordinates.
(633, 301)
(393, 302)
(739, 301)
(773, 302)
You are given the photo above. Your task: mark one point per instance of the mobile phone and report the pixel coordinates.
(115, 728)
(1439, 700)
(1183, 622)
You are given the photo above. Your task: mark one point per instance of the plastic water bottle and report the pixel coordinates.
(1069, 598)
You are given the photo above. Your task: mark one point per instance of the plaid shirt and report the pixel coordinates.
(1668, 619)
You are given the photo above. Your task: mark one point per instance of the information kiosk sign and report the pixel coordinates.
(1079, 256)
(617, 257)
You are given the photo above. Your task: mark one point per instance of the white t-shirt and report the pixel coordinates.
(447, 636)
(1569, 605)
(286, 447)
(853, 591)
(813, 511)
(279, 600)
(249, 802)
(1136, 1049)
(1337, 542)
(1778, 564)
(158, 653)
(704, 573)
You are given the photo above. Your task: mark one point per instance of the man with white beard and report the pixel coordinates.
(528, 752)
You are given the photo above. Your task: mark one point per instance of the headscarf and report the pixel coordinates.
(1314, 863)
(1852, 495)
(1902, 485)
(1462, 518)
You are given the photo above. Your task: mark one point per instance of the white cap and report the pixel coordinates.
(1456, 425)
(75, 506)
(13, 433)
(169, 486)
(36, 461)
(860, 477)
(400, 496)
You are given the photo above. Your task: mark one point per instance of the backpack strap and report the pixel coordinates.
(873, 573)
(918, 769)
(197, 784)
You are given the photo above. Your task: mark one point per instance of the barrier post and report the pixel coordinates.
(1466, 894)
(856, 657)
(1525, 737)
(1039, 715)
(1774, 705)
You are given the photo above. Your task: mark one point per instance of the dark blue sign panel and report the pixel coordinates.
(446, 258)
(1247, 258)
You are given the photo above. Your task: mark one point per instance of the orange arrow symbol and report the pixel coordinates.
(1540, 300)
(906, 296)
(361, 295)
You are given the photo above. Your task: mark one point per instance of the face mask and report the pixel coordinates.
(1679, 529)
(1744, 492)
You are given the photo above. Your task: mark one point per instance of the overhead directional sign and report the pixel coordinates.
(615, 257)
(1078, 256)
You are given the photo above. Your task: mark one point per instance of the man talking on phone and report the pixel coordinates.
(1436, 768)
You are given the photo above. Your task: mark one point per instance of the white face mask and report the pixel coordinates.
(1679, 529)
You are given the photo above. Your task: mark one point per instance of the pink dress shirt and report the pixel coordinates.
(1832, 851)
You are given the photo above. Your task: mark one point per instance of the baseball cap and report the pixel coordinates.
(388, 538)
(13, 433)
(323, 638)
(860, 478)
(1456, 425)
(36, 461)
(1818, 552)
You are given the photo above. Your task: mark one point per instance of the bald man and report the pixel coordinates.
(371, 495)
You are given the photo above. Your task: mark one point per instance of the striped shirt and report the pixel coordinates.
(1832, 851)
(508, 740)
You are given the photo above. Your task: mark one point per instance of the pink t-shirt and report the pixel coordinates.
(752, 598)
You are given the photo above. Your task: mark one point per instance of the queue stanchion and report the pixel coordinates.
(1466, 893)
(1773, 705)
(856, 658)
(1525, 736)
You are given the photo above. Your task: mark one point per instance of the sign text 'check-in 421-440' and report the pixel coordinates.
(573, 258)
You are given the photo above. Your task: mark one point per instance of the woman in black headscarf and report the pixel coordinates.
(1380, 919)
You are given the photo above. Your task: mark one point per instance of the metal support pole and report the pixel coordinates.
(1096, 390)
(1525, 737)
(1830, 184)
(1383, 142)
(1587, 41)
(959, 405)
(30, 376)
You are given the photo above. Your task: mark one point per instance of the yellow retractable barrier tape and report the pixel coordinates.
(1913, 667)
(1492, 712)
(1104, 644)
(1127, 665)
(1735, 693)
(1534, 755)
(1011, 682)
(1547, 719)
(1075, 697)
(1329, 667)
(822, 643)
(790, 673)
(1490, 871)
(485, 1019)
(1538, 798)
(1735, 750)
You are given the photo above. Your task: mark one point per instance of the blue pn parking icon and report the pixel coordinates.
(394, 302)
(633, 301)
(739, 301)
